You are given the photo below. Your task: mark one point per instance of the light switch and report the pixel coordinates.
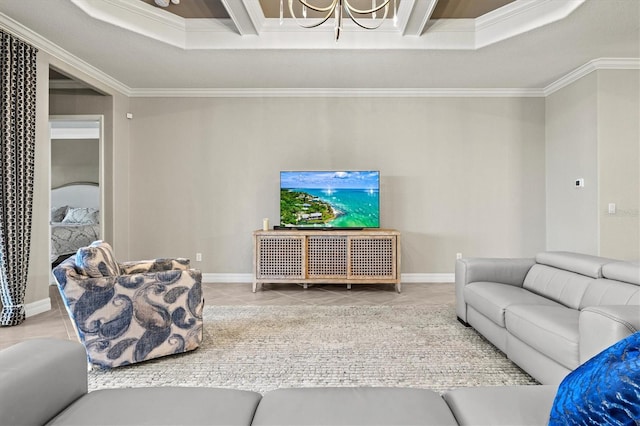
(612, 208)
(579, 183)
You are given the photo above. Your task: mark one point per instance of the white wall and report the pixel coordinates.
(458, 174)
(619, 163)
(592, 131)
(572, 153)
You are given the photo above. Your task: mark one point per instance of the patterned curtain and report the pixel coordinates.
(17, 146)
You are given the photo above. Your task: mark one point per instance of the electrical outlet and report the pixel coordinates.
(198, 257)
(458, 255)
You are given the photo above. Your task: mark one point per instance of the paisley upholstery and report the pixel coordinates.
(147, 310)
(605, 390)
(97, 260)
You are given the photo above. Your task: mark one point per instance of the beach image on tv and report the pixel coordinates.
(330, 199)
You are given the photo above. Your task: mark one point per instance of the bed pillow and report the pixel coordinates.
(97, 260)
(81, 215)
(603, 390)
(58, 213)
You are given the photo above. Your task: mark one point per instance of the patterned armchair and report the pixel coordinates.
(129, 312)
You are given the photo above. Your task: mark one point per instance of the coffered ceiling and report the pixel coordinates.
(444, 9)
(240, 47)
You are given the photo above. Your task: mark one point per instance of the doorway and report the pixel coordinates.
(76, 182)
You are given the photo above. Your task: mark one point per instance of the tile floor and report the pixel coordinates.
(56, 324)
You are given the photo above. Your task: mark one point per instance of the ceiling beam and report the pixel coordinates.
(419, 17)
(240, 17)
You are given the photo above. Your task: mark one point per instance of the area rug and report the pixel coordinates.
(261, 348)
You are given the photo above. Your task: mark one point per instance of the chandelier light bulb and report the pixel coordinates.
(395, 13)
(281, 12)
(165, 3)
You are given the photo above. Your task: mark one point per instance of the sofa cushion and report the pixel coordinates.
(551, 330)
(609, 292)
(52, 372)
(623, 271)
(582, 264)
(491, 299)
(603, 390)
(161, 406)
(501, 405)
(352, 406)
(562, 286)
(97, 260)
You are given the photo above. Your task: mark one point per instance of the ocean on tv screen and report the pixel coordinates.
(330, 199)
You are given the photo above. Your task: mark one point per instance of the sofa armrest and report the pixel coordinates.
(602, 326)
(154, 265)
(39, 378)
(505, 271)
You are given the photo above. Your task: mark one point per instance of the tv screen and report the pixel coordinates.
(330, 199)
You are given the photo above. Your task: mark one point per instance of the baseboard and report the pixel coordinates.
(428, 278)
(406, 278)
(227, 278)
(37, 307)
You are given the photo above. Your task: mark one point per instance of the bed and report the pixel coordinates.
(75, 218)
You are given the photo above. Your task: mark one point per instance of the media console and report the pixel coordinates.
(367, 256)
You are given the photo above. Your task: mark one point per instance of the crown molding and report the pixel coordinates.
(56, 51)
(336, 93)
(593, 65)
(519, 17)
(588, 68)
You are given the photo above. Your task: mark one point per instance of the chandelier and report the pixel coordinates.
(337, 8)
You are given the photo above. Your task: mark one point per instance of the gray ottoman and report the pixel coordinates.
(161, 406)
(352, 406)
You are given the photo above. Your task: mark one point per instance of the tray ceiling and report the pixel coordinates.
(519, 48)
(445, 9)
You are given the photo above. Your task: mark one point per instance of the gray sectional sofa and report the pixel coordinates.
(45, 382)
(552, 313)
(547, 314)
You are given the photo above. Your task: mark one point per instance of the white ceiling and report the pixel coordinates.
(146, 50)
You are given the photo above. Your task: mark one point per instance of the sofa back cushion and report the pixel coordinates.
(556, 284)
(583, 264)
(609, 292)
(97, 260)
(628, 272)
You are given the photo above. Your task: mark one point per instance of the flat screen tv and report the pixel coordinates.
(330, 199)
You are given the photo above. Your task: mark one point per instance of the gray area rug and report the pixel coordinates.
(261, 348)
